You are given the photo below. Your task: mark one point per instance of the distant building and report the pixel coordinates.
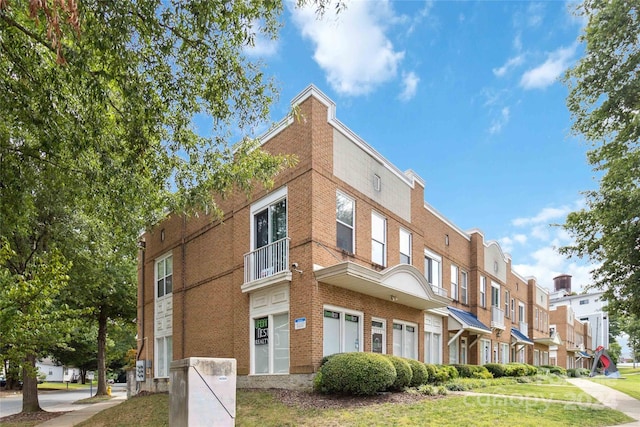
(587, 308)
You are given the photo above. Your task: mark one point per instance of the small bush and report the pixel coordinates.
(556, 370)
(498, 370)
(404, 374)
(420, 374)
(578, 372)
(431, 372)
(472, 371)
(325, 358)
(515, 370)
(443, 374)
(531, 370)
(317, 382)
(357, 373)
(431, 390)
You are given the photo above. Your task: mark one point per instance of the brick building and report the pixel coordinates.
(342, 254)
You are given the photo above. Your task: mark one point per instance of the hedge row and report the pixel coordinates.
(578, 372)
(499, 370)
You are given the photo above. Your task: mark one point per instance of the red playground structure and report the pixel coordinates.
(608, 367)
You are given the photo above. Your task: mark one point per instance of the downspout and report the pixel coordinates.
(141, 247)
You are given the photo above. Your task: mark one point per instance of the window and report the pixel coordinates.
(584, 301)
(485, 351)
(504, 353)
(164, 354)
(269, 247)
(535, 317)
(432, 339)
(405, 247)
(405, 341)
(345, 214)
(271, 344)
(164, 276)
(432, 263)
(454, 282)
(163, 316)
(463, 351)
(483, 291)
(378, 239)
(453, 350)
(270, 224)
(342, 331)
(378, 336)
(495, 294)
(506, 303)
(513, 309)
(464, 278)
(521, 313)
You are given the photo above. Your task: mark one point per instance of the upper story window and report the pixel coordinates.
(164, 276)
(506, 303)
(454, 282)
(483, 291)
(378, 239)
(464, 279)
(405, 247)
(345, 225)
(521, 313)
(270, 223)
(495, 294)
(584, 301)
(432, 268)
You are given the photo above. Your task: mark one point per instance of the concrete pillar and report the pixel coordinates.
(202, 392)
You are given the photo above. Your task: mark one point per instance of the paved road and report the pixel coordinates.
(53, 400)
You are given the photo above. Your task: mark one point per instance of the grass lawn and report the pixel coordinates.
(259, 408)
(629, 385)
(563, 391)
(62, 386)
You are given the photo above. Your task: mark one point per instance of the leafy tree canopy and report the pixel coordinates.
(604, 100)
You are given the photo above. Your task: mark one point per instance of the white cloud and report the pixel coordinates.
(517, 42)
(410, 83)
(535, 14)
(511, 63)
(544, 216)
(263, 46)
(352, 49)
(500, 122)
(546, 74)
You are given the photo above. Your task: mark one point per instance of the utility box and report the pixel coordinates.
(202, 392)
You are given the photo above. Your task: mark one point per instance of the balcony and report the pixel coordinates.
(267, 265)
(524, 328)
(439, 291)
(497, 318)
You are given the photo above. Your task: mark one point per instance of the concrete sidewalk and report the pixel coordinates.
(80, 413)
(611, 398)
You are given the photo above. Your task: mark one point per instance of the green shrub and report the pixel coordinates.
(472, 371)
(556, 370)
(404, 373)
(357, 373)
(431, 372)
(531, 370)
(442, 374)
(578, 372)
(498, 370)
(431, 390)
(420, 375)
(515, 370)
(325, 358)
(317, 382)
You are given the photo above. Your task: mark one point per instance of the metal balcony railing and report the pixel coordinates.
(267, 261)
(497, 318)
(439, 291)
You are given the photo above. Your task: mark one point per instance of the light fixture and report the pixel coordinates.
(446, 239)
(295, 268)
(394, 298)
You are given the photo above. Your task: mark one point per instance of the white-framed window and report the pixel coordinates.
(405, 247)
(485, 351)
(536, 357)
(504, 353)
(496, 355)
(164, 355)
(483, 291)
(163, 316)
(271, 344)
(164, 276)
(378, 336)
(464, 279)
(464, 349)
(342, 330)
(535, 317)
(405, 339)
(513, 309)
(269, 219)
(432, 339)
(454, 282)
(454, 349)
(506, 303)
(378, 239)
(345, 222)
(433, 268)
(521, 312)
(545, 357)
(269, 330)
(495, 294)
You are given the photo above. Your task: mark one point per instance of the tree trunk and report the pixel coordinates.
(30, 401)
(102, 353)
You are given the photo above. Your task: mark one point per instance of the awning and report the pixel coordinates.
(550, 340)
(519, 337)
(403, 284)
(584, 355)
(466, 321)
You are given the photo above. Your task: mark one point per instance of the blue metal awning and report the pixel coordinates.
(520, 338)
(468, 321)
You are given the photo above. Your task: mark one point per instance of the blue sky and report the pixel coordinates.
(468, 95)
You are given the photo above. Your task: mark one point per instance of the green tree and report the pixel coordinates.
(631, 326)
(614, 351)
(604, 102)
(97, 133)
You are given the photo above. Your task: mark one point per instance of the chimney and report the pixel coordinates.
(562, 282)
